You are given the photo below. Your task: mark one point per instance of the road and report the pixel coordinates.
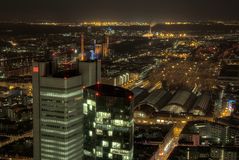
(16, 158)
(162, 119)
(16, 138)
(171, 139)
(158, 85)
(169, 143)
(136, 83)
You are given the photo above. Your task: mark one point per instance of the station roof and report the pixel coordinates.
(201, 105)
(138, 91)
(180, 102)
(155, 97)
(180, 98)
(66, 74)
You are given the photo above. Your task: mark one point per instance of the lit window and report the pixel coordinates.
(61, 95)
(108, 127)
(90, 107)
(125, 157)
(99, 151)
(85, 109)
(110, 133)
(105, 143)
(91, 102)
(99, 132)
(103, 115)
(99, 120)
(110, 155)
(88, 153)
(118, 122)
(99, 154)
(116, 145)
(90, 133)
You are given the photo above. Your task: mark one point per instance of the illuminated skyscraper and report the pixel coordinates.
(82, 55)
(57, 109)
(99, 50)
(108, 123)
(106, 45)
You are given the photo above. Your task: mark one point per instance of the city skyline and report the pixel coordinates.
(119, 80)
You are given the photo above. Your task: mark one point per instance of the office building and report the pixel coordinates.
(57, 108)
(108, 127)
(209, 133)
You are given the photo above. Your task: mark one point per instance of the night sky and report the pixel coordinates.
(118, 10)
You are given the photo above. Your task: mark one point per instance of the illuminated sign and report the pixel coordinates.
(35, 69)
(130, 97)
(231, 104)
(92, 55)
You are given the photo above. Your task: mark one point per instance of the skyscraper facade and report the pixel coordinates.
(57, 110)
(108, 123)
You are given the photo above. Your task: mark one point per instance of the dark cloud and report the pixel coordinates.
(128, 10)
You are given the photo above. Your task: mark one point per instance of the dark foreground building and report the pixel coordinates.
(108, 127)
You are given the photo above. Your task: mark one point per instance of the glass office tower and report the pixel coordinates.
(108, 123)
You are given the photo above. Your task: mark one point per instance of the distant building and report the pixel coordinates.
(210, 133)
(237, 140)
(119, 79)
(205, 152)
(229, 83)
(19, 113)
(57, 108)
(229, 75)
(108, 126)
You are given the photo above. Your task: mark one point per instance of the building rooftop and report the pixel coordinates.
(180, 98)
(66, 74)
(137, 91)
(201, 105)
(154, 101)
(154, 97)
(108, 90)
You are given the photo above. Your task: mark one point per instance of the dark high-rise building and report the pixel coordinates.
(57, 108)
(108, 126)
